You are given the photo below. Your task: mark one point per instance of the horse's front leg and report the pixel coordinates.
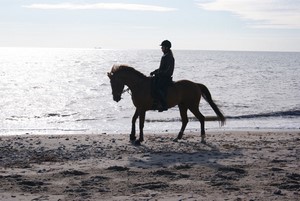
(132, 134)
(142, 115)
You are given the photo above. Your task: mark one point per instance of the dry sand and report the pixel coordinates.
(255, 165)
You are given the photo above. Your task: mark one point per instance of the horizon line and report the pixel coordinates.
(174, 49)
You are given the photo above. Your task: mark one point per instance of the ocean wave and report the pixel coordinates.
(294, 113)
(287, 114)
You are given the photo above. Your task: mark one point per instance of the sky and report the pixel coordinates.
(247, 25)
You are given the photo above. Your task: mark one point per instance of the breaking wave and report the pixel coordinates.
(294, 113)
(284, 114)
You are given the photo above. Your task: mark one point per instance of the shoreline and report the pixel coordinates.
(233, 165)
(58, 132)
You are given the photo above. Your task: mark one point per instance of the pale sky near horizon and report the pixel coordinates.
(254, 25)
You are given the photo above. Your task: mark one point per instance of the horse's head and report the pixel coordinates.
(116, 85)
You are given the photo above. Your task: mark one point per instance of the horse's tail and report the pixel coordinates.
(207, 96)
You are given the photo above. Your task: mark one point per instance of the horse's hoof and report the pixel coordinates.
(179, 136)
(137, 143)
(175, 140)
(203, 141)
(132, 139)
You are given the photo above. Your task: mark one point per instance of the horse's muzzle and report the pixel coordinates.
(117, 98)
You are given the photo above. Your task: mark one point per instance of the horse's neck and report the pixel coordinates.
(133, 81)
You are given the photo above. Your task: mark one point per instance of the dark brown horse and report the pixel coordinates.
(184, 93)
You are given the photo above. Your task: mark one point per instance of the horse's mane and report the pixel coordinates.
(125, 68)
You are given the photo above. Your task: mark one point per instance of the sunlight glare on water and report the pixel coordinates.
(67, 90)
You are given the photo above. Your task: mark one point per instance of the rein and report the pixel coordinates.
(127, 90)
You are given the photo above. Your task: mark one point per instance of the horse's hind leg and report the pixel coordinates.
(184, 121)
(201, 118)
(134, 118)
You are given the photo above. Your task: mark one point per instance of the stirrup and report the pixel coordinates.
(155, 105)
(161, 109)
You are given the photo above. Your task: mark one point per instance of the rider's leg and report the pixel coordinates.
(162, 100)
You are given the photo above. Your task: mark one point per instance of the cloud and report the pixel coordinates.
(263, 13)
(105, 6)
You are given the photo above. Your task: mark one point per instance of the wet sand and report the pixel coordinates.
(233, 165)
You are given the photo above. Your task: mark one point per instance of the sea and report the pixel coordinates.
(67, 91)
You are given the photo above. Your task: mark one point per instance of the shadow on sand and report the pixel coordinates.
(163, 153)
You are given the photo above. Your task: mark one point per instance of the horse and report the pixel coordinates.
(184, 93)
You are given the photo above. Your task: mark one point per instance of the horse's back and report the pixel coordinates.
(184, 82)
(186, 85)
(184, 91)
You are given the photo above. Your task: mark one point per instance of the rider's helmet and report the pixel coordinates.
(166, 43)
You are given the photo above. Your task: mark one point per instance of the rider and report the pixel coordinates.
(163, 75)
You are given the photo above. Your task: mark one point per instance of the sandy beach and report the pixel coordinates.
(233, 165)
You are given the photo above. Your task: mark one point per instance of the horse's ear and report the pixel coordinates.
(109, 74)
